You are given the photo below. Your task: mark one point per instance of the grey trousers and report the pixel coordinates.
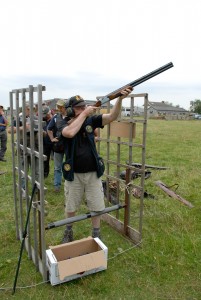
(3, 143)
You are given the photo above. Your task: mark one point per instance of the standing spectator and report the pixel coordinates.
(54, 129)
(27, 128)
(3, 134)
(83, 168)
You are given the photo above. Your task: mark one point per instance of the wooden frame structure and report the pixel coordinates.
(124, 130)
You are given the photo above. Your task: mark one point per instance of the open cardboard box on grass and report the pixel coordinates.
(73, 260)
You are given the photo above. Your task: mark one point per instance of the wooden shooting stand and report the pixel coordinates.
(122, 134)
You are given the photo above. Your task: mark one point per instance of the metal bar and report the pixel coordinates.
(143, 163)
(83, 217)
(108, 156)
(35, 89)
(32, 151)
(127, 202)
(19, 161)
(14, 171)
(118, 173)
(42, 243)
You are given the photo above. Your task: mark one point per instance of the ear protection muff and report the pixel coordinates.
(70, 113)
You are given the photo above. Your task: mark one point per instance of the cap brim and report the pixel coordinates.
(45, 114)
(80, 103)
(60, 104)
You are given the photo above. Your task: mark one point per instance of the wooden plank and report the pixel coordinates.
(122, 129)
(172, 193)
(131, 233)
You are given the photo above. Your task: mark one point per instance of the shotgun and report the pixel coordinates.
(134, 83)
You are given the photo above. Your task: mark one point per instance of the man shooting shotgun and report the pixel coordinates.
(117, 93)
(83, 167)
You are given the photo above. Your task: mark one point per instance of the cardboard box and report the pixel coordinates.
(123, 129)
(74, 260)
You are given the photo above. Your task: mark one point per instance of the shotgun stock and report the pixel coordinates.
(134, 83)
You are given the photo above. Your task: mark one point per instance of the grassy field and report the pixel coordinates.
(168, 263)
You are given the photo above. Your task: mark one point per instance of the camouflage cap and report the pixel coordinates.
(61, 102)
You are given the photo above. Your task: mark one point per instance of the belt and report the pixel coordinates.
(2, 130)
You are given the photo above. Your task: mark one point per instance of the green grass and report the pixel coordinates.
(168, 263)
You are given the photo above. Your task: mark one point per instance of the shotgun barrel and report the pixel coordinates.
(134, 83)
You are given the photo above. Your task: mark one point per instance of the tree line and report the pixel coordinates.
(195, 106)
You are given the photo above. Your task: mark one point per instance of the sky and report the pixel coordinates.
(91, 48)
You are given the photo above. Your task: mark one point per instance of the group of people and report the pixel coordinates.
(70, 134)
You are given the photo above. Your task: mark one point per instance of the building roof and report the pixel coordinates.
(162, 106)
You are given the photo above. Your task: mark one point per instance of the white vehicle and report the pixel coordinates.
(126, 112)
(197, 116)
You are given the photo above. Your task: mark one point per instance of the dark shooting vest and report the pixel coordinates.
(68, 165)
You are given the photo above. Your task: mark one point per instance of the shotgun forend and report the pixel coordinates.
(134, 83)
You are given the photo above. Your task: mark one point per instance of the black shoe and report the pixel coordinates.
(57, 189)
(68, 236)
(3, 159)
(96, 234)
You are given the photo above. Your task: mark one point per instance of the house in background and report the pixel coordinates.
(126, 111)
(166, 111)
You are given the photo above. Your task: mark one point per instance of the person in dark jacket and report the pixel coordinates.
(83, 168)
(54, 130)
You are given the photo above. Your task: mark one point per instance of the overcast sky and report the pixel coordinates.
(91, 47)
